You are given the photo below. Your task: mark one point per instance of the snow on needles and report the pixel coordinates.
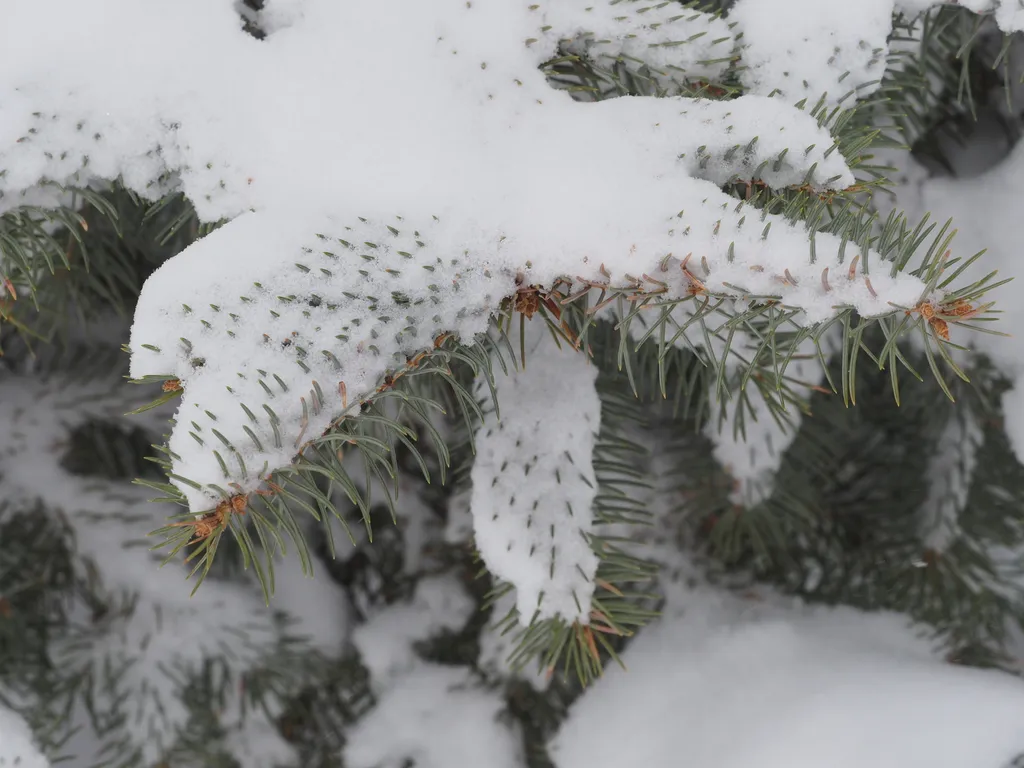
(372, 214)
(814, 48)
(1008, 14)
(832, 49)
(408, 727)
(534, 483)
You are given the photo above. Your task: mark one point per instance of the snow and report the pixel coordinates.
(410, 727)
(534, 483)
(458, 123)
(949, 476)
(316, 604)
(675, 43)
(751, 436)
(835, 50)
(17, 745)
(730, 682)
(497, 644)
(1008, 14)
(279, 14)
(430, 715)
(809, 49)
(385, 641)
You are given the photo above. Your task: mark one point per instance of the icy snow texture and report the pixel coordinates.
(534, 483)
(734, 683)
(458, 122)
(437, 718)
(807, 49)
(17, 745)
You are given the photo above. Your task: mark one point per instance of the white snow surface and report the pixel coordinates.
(834, 50)
(814, 48)
(385, 641)
(457, 123)
(438, 718)
(1008, 14)
(17, 744)
(534, 483)
(732, 683)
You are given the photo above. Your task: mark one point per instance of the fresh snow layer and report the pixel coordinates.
(534, 483)
(17, 745)
(274, 312)
(437, 718)
(733, 683)
(812, 49)
(835, 50)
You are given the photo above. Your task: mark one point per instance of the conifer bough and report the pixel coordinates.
(373, 224)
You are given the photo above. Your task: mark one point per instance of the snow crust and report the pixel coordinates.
(431, 715)
(730, 682)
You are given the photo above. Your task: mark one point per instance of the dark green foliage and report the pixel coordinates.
(111, 451)
(36, 580)
(847, 522)
(316, 718)
(539, 714)
(373, 572)
(96, 264)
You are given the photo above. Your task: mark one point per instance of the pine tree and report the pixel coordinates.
(547, 338)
